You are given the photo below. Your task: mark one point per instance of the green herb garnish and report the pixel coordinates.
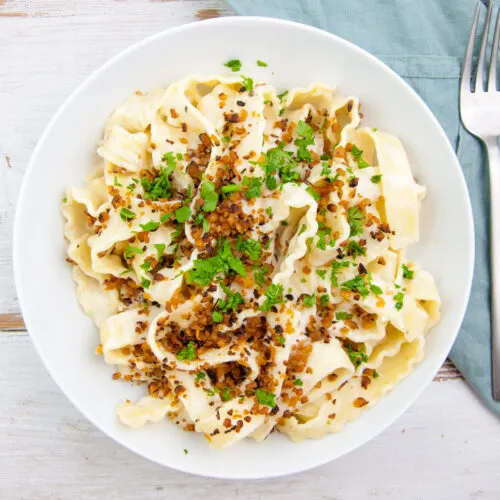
(265, 398)
(407, 273)
(126, 214)
(234, 65)
(209, 196)
(274, 296)
(187, 352)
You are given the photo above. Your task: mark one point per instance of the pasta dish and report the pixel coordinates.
(242, 252)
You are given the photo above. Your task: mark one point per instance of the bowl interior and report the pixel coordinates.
(296, 55)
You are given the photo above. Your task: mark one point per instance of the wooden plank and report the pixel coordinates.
(447, 435)
(9, 322)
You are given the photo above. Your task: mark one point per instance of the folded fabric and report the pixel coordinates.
(424, 42)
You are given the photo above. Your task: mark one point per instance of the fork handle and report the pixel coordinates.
(491, 144)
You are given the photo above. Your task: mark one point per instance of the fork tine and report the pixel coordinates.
(492, 78)
(467, 66)
(482, 54)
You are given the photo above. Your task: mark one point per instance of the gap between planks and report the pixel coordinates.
(14, 323)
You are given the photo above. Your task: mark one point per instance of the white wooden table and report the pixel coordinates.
(446, 446)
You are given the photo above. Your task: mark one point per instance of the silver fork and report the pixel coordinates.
(480, 112)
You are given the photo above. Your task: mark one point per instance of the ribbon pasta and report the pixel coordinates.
(242, 253)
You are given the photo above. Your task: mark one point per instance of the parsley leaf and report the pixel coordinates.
(201, 220)
(261, 63)
(306, 132)
(356, 220)
(165, 217)
(308, 300)
(355, 249)
(376, 290)
(126, 214)
(234, 65)
(150, 226)
(254, 185)
(217, 317)
(209, 196)
(281, 162)
(130, 251)
(358, 156)
(161, 186)
(200, 376)
(407, 273)
(116, 183)
(187, 352)
(357, 284)
(259, 275)
(336, 269)
(357, 357)
(313, 193)
(233, 300)
(205, 270)
(265, 398)
(247, 83)
(321, 273)
(145, 282)
(324, 299)
(398, 299)
(160, 247)
(274, 295)
(250, 247)
(376, 178)
(298, 382)
(230, 188)
(182, 214)
(342, 316)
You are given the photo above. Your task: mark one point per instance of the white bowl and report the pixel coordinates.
(296, 55)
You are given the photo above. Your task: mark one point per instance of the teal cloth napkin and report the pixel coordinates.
(424, 41)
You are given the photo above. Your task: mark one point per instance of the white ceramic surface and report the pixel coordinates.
(296, 55)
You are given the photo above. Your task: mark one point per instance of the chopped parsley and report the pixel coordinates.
(281, 162)
(209, 195)
(336, 269)
(357, 357)
(252, 248)
(342, 316)
(164, 218)
(265, 398)
(254, 185)
(376, 374)
(182, 214)
(233, 300)
(126, 214)
(201, 220)
(200, 376)
(358, 156)
(354, 249)
(231, 188)
(259, 275)
(274, 296)
(234, 65)
(321, 273)
(407, 273)
(130, 251)
(376, 290)
(160, 248)
(226, 138)
(150, 226)
(308, 300)
(357, 284)
(281, 340)
(269, 211)
(306, 133)
(225, 394)
(376, 178)
(298, 382)
(356, 220)
(217, 317)
(161, 186)
(398, 299)
(324, 299)
(145, 283)
(261, 63)
(247, 83)
(303, 229)
(116, 183)
(187, 352)
(205, 270)
(147, 264)
(313, 193)
(322, 234)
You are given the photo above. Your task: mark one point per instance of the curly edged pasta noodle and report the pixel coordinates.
(242, 253)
